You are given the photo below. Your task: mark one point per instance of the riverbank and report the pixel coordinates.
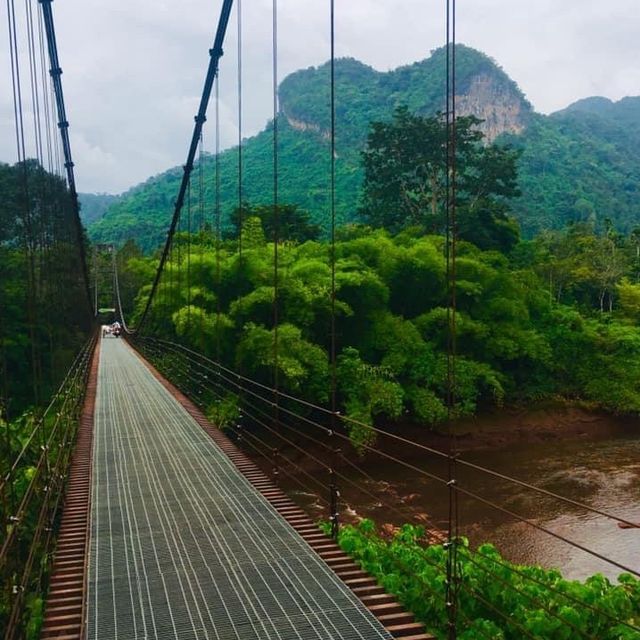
(512, 425)
(501, 430)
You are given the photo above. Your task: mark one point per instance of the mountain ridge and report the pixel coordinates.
(363, 95)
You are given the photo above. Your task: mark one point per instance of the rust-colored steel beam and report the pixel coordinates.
(65, 607)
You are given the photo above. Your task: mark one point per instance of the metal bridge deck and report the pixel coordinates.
(182, 546)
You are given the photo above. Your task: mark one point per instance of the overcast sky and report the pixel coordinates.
(134, 69)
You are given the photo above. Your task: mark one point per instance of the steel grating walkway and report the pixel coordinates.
(181, 545)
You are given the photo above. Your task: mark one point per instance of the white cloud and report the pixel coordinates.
(133, 71)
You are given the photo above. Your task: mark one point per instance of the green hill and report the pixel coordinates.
(625, 112)
(581, 164)
(576, 164)
(94, 205)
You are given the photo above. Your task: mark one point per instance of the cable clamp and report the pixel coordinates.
(453, 482)
(56, 71)
(216, 51)
(200, 119)
(63, 124)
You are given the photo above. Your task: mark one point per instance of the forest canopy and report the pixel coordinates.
(44, 313)
(556, 318)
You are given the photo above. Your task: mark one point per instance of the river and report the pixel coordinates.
(601, 472)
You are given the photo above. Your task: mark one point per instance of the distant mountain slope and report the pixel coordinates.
(94, 205)
(625, 112)
(580, 163)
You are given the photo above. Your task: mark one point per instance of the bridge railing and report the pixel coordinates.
(308, 451)
(34, 474)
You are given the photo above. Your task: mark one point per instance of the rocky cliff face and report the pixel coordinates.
(364, 95)
(301, 125)
(500, 108)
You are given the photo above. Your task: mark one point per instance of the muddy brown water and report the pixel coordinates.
(602, 472)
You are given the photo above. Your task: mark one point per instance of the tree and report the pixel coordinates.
(43, 313)
(303, 367)
(608, 265)
(629, 299)
(405, 180)
(132, 274)
(291, 222)
(634, 238)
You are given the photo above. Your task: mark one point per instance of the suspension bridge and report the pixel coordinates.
(127, 512)
(189, 539)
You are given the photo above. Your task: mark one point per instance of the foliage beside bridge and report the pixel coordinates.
(555, 319)
(498, 600)
(44, 315)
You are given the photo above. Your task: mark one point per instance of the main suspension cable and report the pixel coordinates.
(215, 53)
(63, 124)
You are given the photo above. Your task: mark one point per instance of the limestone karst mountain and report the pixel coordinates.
(579, 164)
